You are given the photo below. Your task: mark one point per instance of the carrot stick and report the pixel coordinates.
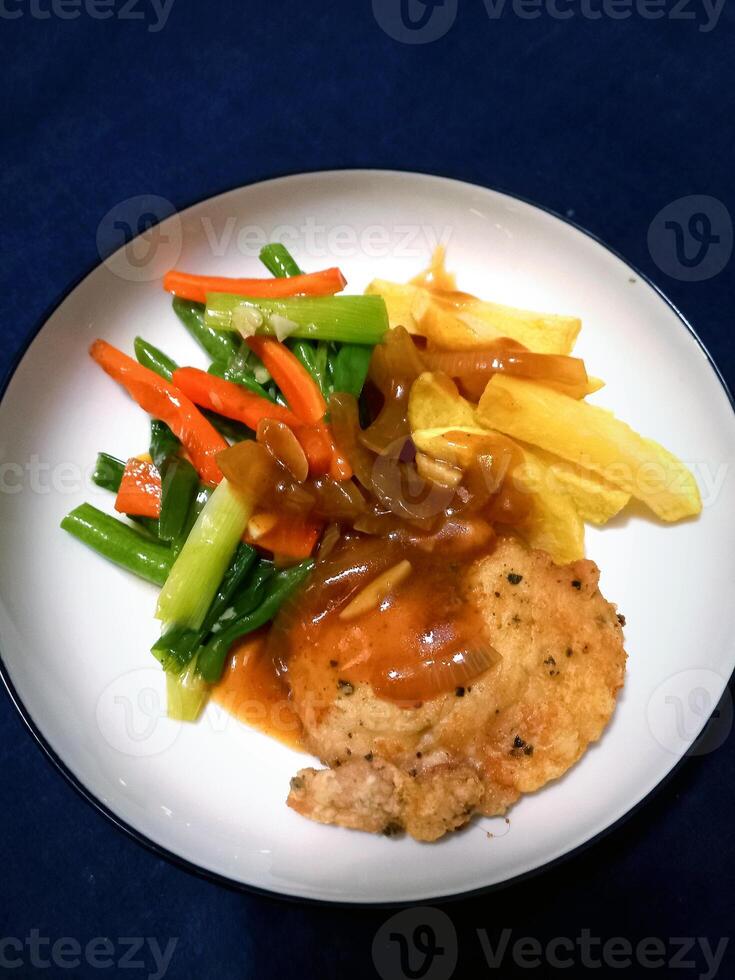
(299, 388)
(167, 403)
(139, 494)
(195, 288)
(290, 536)
(229, 399)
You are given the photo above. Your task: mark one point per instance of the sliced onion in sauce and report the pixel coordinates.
(438, 674)
(284, 447)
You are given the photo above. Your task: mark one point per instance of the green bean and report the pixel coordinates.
(243, 561)
(278, 261)
(350, 366)
(153, 358)
(180, 484)
(108, 472)
(252, 595)
(239, 377)
(219, 344)
(176, 647)
(229, 428)
(314, 357)
(120, 543)
(213, 654)
(164, 444)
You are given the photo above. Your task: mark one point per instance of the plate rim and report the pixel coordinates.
(233, 884)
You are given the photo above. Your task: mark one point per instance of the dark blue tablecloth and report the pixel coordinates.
(610, 114)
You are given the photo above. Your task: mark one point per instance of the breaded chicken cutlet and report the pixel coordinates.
(428, 769)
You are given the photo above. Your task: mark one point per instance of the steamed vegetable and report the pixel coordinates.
(120, 543)
(153, 358)
(180, 486)
(197, 288)
(186, 693)
(299, 388)
(350, 319)
(229, 399)
(212, 656)
(278, 260)
(203, 560)
(139, 493)
(162, 400)
(220, 345)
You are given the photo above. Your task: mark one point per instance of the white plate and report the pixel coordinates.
(75, 631)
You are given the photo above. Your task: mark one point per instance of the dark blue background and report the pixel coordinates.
(611, 119)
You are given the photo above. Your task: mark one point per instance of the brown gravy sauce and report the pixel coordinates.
(424, 639)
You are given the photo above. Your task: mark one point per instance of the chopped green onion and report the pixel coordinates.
(202, 562)
(186, 693)
(351, 319)
(120, 543)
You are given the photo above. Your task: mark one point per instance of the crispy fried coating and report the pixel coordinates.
(524, 722)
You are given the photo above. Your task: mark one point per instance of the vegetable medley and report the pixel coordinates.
(414, 413)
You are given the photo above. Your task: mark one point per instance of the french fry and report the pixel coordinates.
(554, 525)
(470, 323)
(399, 300)
(596, 500)
(435, 403)
(576, 391)
(467, 323)
(439, 417)
(593, 438)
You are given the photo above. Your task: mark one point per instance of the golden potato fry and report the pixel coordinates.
(437, 413)
(594, 439)
(596, 500)
(398, 300)
(575, 391)
(435, 403)
(554, 525)
(466, 323)
(457, 321)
